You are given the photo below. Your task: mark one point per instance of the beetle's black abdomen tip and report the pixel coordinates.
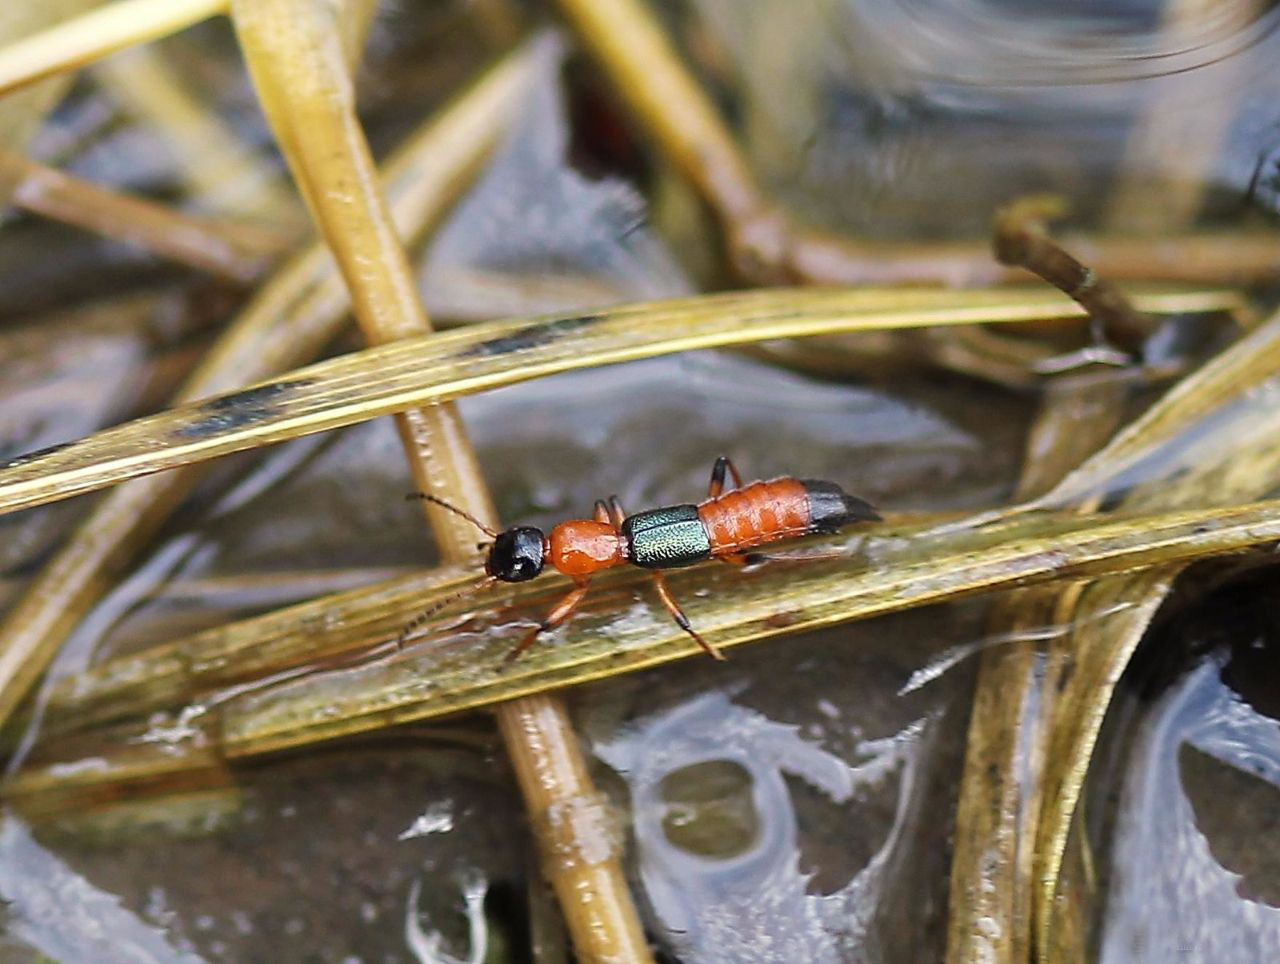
(860, 510)
(831, 508)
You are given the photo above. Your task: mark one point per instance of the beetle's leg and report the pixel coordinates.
(717, 477)
(616, 512)
(562, 611)
(678, 615)
(735, 559)
(601, 513)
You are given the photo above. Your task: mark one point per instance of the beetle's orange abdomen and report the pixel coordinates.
(759, 513)
(580, 547)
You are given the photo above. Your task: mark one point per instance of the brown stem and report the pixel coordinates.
(1021, 239)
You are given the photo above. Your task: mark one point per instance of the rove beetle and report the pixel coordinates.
(724, 526)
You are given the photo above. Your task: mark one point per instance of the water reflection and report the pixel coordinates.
(717, 833)
(53, 909)
(1202, 760)
(867, 114)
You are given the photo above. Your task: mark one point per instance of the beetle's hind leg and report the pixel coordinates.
(616, 513)
(723, 464)
(678, 615)
(562, 611)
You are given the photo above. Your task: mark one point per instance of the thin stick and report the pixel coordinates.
(91, 36)
(1022, 239)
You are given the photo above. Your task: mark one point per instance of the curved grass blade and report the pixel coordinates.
(451, 668)
(989, 917)
(1214, 439)
(434, 368)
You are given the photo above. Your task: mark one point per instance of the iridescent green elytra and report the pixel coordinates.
(667, 538)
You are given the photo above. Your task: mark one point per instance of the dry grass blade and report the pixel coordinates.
(995, 824)
(436, 368)
(904, 572)
(1167, 459)
(130, 768)
(298, 311)
(170, 675)
(1001, 800)
(21, 113)
(237, 252)
(91, 36)
(294, 53)
(448, 669)
(1147, 450)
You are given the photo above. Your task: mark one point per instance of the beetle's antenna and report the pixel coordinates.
(438, 605)
(455, 510)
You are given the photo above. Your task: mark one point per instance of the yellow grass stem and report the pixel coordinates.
(293, 49)
(91, 36)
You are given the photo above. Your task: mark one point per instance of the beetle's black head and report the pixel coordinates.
(516, 555)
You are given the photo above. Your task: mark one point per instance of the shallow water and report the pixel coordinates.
(798, 802)
(1191, 865)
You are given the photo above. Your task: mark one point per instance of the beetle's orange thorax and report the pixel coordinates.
(580, 547)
